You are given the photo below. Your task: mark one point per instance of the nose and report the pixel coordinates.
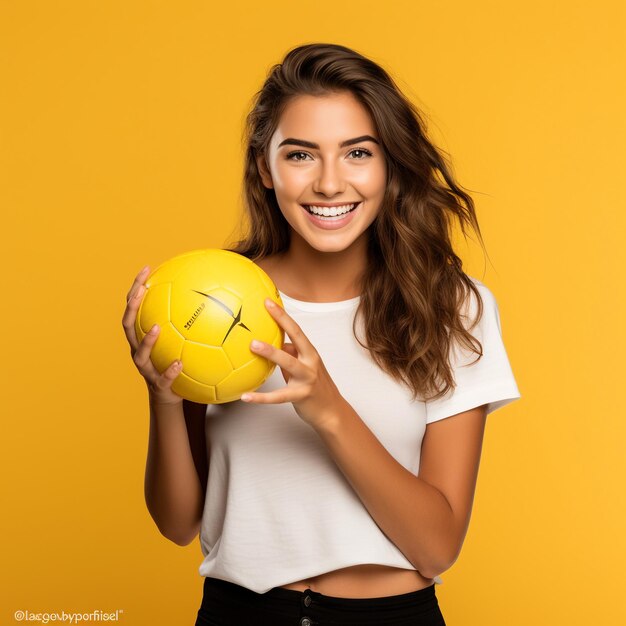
(330, 180)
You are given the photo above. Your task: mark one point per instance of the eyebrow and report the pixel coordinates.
(309, 144)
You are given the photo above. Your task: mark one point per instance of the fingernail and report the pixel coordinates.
(256, 345)
(269, 303)
(246, 397)
(143, 269)
(154, 329)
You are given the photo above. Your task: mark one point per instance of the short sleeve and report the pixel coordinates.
(487, 381)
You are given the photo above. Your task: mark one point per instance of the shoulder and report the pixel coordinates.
(486, 378)
(485, 293)
(488, 304)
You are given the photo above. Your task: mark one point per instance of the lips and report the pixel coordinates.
(330, 222)
(354, 205)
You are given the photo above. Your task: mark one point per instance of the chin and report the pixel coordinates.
(330, 246)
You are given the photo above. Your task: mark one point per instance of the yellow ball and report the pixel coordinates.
(209, 305)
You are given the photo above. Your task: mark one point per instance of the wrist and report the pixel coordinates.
(156, 401)
(330, 420)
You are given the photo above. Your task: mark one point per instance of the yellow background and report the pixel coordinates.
(120, 146)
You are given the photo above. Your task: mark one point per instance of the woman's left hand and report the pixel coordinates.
(309, 385)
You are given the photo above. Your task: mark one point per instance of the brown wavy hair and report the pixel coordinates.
(413, 288)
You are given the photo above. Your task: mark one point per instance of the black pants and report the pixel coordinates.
(227, 604)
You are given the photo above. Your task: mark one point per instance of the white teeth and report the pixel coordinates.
(330, 211)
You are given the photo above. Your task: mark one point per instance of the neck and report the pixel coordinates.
(324, 276)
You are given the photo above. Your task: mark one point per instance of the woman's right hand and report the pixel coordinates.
(159, 385)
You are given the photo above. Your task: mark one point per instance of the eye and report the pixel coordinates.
(291, 154)
(364, 152)
(361, 150)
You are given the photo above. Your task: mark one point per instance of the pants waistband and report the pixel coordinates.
(413, 598)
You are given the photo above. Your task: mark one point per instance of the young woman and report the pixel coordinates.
(338, 491)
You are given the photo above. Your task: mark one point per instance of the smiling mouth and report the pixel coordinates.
(339, 211)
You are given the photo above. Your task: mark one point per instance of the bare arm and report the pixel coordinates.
(174, 485)
(176, 467)
(426, 516)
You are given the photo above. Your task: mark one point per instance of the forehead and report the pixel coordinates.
(324, 119)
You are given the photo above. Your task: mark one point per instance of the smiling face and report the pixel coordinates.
(327, 170)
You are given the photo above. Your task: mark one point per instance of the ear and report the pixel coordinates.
(266, 177)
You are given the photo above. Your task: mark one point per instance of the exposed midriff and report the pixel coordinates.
(363, 581)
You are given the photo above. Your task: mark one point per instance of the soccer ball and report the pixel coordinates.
(209, 305)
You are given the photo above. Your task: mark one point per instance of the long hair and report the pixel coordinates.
(413, 288)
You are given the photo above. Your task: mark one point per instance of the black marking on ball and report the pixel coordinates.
(236, 318)
(197, 312)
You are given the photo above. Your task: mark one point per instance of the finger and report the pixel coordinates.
(304, 347)
(141, 357)
(139, 279)
(279, 396)
(289, 348)
(284, 360)
(165, 380)
(130, 315)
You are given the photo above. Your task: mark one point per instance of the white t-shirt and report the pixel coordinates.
(278, 509)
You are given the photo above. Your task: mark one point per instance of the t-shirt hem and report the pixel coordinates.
(217, 571)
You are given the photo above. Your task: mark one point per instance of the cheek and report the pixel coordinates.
(289, 180)
(371, 181)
